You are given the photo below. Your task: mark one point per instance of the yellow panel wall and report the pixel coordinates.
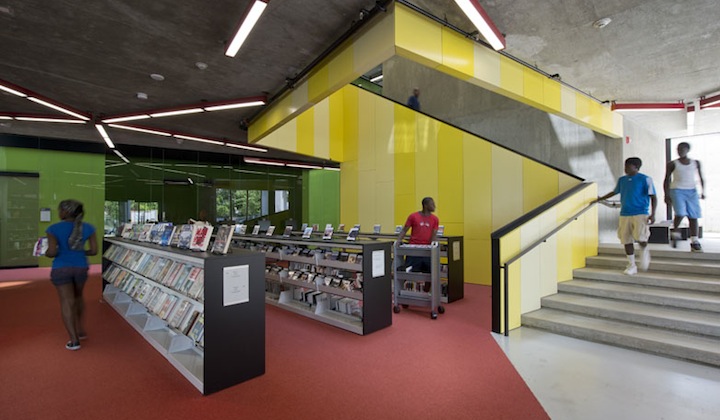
(306, 132)
(322, 129)
(539, 182)
(507, 176)
(457, 55)
(418, 37)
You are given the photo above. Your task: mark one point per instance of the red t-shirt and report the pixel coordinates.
(422, 227)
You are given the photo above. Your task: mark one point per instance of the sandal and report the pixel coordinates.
(72, 346)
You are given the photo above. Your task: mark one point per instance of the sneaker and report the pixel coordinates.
(674, 238)
(645, 258)
(72, 346)
(696, 247)
(631, 270)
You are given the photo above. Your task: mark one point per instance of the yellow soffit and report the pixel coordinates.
(404, 32)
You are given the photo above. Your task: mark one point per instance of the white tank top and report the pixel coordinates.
(683, 176)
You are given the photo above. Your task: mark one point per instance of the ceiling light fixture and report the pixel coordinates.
(157, 77)
(331, 168)
(126, 118)
(4, 87)
(376, 79)
(176, 112)
(180, 136)
(251, 17)
(242, 146)
(58, 108)
(190, 109)
(303, 166)
(104, 135)
(5, 117)
(50, 120)
(234, 105)
(263, 162)
(141, 130)
(601, 23)
(120, 155)
(483, 23)
(710, 102)
(658, 106)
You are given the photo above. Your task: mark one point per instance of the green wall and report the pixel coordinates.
(63, 175)
(321, 198)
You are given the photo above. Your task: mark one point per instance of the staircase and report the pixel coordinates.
(673, 309)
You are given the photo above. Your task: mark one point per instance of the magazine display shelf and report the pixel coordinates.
(452, 281)
(375, 297)
(234, 333)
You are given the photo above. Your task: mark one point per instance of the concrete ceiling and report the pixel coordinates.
(96, 56)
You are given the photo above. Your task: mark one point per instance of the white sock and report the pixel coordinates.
(693, 239)
(631, 259)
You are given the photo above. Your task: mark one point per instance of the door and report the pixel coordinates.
(19, 215)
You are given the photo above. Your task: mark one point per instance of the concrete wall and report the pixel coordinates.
(532, 132)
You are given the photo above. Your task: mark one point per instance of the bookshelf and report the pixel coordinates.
(227, 292)
(338, 282)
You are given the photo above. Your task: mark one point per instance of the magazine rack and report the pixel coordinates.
(232, 304)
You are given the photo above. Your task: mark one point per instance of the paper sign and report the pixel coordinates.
(456, 251)
(378, 263)
(236, 285)
(45, 215)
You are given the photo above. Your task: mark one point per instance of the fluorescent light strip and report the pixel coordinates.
(5, 117)
(13, 91)
(330, 168)
(472, 9)
(104, 135)
(242, 146)
(233, 106)
(178, 112)
(128, 118)
(263, 162)
(141, 130)
(52, 120)
(120, 155)
(246, 26)
(180, 136)
(58, 108)
(377, 78)
(303, 166)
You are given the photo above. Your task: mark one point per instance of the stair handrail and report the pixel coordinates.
(505, 267)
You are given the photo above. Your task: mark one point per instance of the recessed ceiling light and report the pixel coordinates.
(200, 65)
(157, 77)
(601, 23)
(141, 95)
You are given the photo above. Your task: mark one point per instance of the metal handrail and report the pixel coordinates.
(505, 266)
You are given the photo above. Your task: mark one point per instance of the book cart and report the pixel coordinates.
(228, 346)
(343, 283)
(414, 296)
(452, 281)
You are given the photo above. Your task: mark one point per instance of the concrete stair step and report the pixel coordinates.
(684, 266)
(668, 343)
(668, 280)
(684, 320)
(655, 295)
(682, 252)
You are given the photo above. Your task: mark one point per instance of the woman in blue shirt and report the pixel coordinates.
(66, 243)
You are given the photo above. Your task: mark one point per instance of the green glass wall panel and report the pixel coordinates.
(322, 198)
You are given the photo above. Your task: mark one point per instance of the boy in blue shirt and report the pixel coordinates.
(637, 193)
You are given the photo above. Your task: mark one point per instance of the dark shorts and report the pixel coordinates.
(419, 264)
(67, 275)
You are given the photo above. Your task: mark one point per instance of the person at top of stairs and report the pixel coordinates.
(637, 193)
(681, 192)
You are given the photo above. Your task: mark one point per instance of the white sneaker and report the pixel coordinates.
(631, 270)
(645, 258)
(674, 238)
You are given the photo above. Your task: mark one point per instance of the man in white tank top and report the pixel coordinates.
(680, 191)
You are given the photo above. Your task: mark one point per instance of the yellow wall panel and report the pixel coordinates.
(337, 125)
(384, 139)
(366, 131)
(477, 166)
(385, 206)
(551, 95)
(306, 132)
(533, 86)
(511, 77)
(451, 186)
(350, 124)
(565, 182)
(582, 107)
(506, 177)
(375, 45)
(476, 260)
(487, 67)
(322, 124)
(567, 96)
(454, 229)
(349, 193)
(367, 199)
(417, 37)
(539, 183)
(426, 164)
(318, 84)
(404, 133)
(284, 138)
(457, 55)
(404, 205)
(340, 69)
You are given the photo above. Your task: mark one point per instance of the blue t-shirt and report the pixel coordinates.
(413, 103)
(635, 192)
(66, 257)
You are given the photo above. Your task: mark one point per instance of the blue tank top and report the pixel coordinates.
(67, 257)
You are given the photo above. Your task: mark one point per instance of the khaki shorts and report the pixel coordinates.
(633, 228)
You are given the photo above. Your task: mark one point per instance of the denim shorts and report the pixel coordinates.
(67, 275)
(686, 203)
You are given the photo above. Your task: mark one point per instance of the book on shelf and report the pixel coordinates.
(185, 236)
(357, 226)
(167, 234)
(145, 232)
(328, 233)
(270, 231)
(303, 227)
(328, 226)
(156, 232)
(191, 321)
(180, 312)
(223, 237)
(307, 232)
(126, 230)
(256, 229)
(341, 227)
(41, 247)
(201, 236)
(353, 234)
(441, 230)
(398, 229)
(315, 227)
(197, 286)
(240, 229)
(376, 229)
(287, 232)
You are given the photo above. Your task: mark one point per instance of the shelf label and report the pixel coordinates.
(378, 263)
(236, 285)
(456, 251)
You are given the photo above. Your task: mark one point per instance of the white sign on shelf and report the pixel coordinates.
(456, 251)
(378, 263)
(236, 285)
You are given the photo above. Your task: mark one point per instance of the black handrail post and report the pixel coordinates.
(506, 300)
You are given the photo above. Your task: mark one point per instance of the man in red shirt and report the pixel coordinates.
(424, 225)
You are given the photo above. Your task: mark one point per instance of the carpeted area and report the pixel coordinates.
(417, 368)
